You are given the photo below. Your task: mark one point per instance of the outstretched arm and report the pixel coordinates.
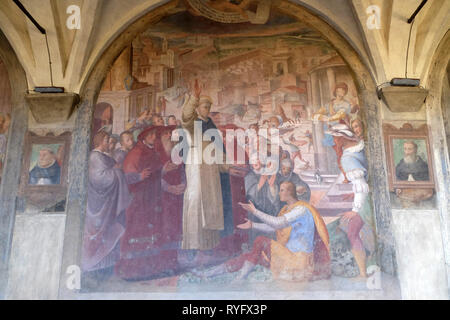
(274, 222)
(257, 226)
(189, 114)
(263, 227)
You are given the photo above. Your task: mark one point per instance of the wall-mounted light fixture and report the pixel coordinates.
(49, 104)
(404, 94)
(51, 89)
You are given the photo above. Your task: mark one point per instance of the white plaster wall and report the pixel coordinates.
(275, 295)
(420, 254)
(36, 255)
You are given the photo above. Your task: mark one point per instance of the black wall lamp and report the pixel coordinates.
(404, 94)
(49, 104)
(52, 88)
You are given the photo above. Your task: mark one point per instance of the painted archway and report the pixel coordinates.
(436, 102)
(91, 89)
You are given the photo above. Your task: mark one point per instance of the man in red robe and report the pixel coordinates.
(173, 185)
(142, 255)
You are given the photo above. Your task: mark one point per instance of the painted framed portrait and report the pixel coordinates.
(409, 160)
(45, 168)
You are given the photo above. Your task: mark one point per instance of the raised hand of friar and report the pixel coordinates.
(262, 181)
(272, 180)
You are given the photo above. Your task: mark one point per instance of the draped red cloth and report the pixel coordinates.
(172, 204)
(322, 260)
(141, 249)
(172, 218)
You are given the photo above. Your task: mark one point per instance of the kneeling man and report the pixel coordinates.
(300, 251)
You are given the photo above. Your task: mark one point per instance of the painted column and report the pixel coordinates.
(331, 79)
(322, 150)
(314, 91)
(320, 154)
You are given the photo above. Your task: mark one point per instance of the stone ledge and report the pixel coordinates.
(52, 107)
(404, 99)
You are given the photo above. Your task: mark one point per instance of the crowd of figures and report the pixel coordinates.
(148, 217)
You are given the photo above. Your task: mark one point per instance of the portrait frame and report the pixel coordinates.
(393, 134)
(46, 194)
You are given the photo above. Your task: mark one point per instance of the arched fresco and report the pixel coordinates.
(156, 221)
(107, 190)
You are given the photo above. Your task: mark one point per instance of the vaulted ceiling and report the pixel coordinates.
(75, 52)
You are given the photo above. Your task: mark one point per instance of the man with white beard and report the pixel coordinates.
(287, 173)
(412, 167)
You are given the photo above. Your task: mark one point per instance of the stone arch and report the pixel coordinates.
(13, 159)
(5, 100)
(90, 89)
(435, 104)
(446, 105)
(438, 67)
